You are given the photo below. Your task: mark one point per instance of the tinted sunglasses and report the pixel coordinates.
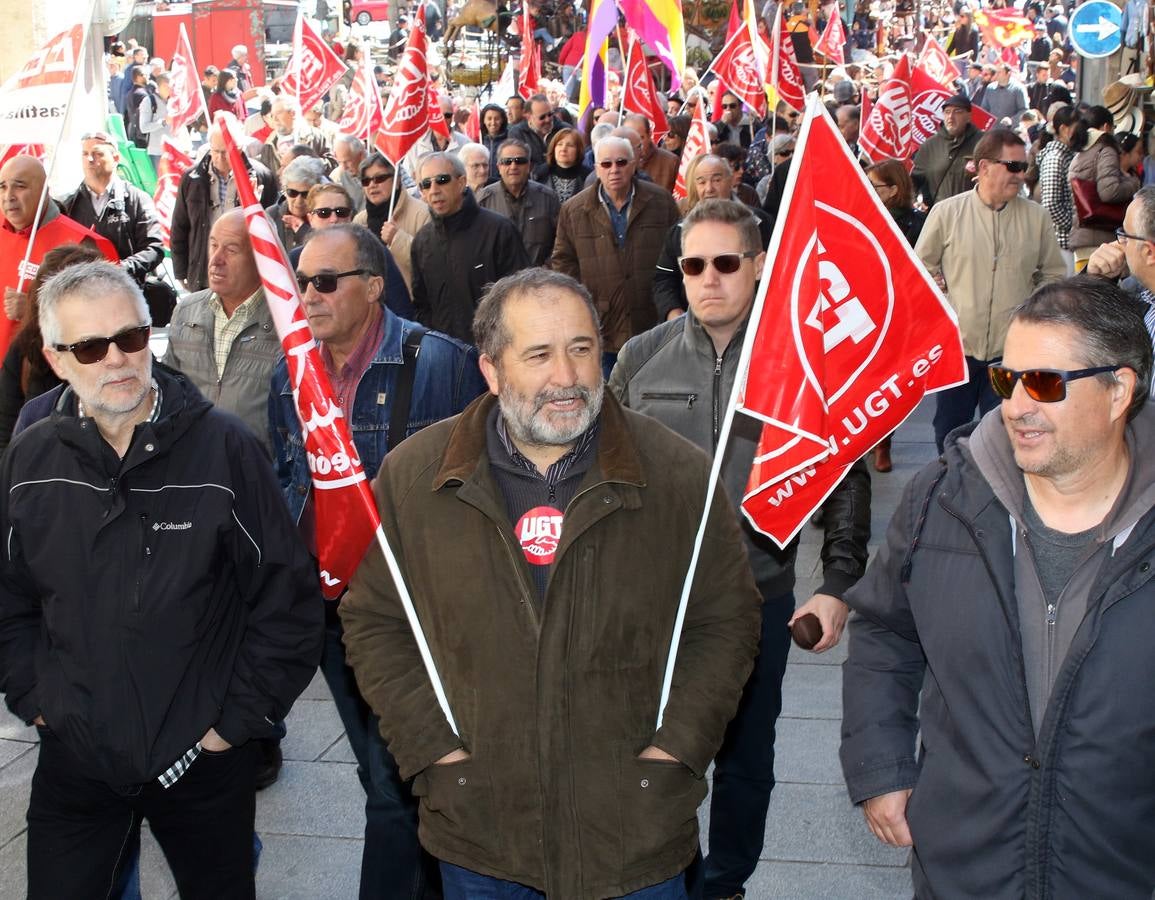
(324, 212)
(442, 179)
(367, 180)
(93, 350)
(724, 263)
(293, 194)
(1014, 166)
(731, 106)
(326, 282)
(611, 163)
(513, 160)
(1043, 385)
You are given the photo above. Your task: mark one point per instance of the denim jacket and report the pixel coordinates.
(447, 380)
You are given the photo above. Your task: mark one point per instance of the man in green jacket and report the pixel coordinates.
(544, 535)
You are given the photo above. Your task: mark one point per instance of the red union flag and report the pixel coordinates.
(529, 65)
(785, 75)
(174, 162)
(934, 61)
(640, 95)
(34, 101)
(851, 334)
(186, 102)
(697, 143)
(314, 67)
(737, 68)
(346, 515)
(885, 133)
(833, 41)
(362, 114)
(926, 99)
(407, 110)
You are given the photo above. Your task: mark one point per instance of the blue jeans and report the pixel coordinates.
(462, 884)
(744, 767)
(392, 862)
(956, 406)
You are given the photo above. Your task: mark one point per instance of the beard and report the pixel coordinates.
(528, 423)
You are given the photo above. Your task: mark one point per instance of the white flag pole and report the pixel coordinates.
(813, 109)
(77, 77)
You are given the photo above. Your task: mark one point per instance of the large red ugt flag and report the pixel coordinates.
(850, 334)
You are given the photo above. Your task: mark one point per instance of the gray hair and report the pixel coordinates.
(625, 144)
(599, 132)
(450, 159)
(513, 142)
(355, 144)
(1146, 198)
(489, 330)
(469, 148)
(87, 281)
(307, 169)
(1109, 322)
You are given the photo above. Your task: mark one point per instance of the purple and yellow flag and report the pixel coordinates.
(660, 24)
(603, 19)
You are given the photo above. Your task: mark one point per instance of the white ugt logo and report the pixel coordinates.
(853, 320)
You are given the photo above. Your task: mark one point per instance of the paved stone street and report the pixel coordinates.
(817, 845)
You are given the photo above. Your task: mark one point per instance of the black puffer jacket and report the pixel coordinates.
(455, 258)
(145, 600)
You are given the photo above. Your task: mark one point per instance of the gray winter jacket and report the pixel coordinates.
(936, 655)
(673, 374)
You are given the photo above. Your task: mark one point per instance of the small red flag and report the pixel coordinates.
(174, 162)
(473, 124)
(885, 134)
(697, 143)
(529, 65)
(313, 68)
(362, 115)
(847, 335)
(737, 68)
(1004, 28)
(934, 61)
(186, 103)
(407, 110)
(832, 44)
(346, 514)
(640, 95)
(785, 75)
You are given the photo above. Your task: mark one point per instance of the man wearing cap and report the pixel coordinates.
(940, 163)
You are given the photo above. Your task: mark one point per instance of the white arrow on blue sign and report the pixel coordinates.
(1095, 28)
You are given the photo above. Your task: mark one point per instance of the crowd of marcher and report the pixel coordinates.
(505, 317)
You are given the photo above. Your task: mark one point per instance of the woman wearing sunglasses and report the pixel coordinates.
(395, 218)
(1097, 165)
(291, 215)
(328, 204)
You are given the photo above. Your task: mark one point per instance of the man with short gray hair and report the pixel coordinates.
(532, 207)
(349, 153)
(162, 626)
(462, 251)
(609, 238)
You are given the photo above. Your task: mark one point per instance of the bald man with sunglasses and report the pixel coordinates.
(998, 715)
(988, 249)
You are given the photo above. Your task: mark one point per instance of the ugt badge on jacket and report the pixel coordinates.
(850, 333)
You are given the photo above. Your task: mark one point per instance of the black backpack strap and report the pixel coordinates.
(403, 392)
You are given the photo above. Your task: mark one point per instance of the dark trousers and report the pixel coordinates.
(744, 767)
(464, 884)
(956, 406)
(83, 834)
(393, 865)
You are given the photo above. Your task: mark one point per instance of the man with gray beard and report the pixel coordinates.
(529, 530)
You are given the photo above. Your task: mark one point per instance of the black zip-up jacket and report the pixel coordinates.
(129, 221)
(673, 373)
(455, 258)
(145, 600)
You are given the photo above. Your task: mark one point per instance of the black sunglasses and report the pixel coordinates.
(731, 106)
(724, 263)
(324, 212)
(1014, 166)
(1043, 385)
(93, 350)
(442, 179)
(611, 163)
(326, 282)
(367, 180)
(293, 193)
(513, 160)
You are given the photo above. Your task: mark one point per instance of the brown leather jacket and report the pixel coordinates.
(620, 279)
(554, 699)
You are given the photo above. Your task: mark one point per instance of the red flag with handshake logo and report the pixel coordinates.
(314, 67)
(850, 334)
(186, 102)
(407, 110)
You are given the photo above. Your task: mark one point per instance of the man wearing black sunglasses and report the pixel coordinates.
(988, 249)
(681, 373)
(1000, 663)
(461, 251)
(158, 622)
(531, 206)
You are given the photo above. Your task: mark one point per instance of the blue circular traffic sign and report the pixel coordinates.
(1095, 28)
